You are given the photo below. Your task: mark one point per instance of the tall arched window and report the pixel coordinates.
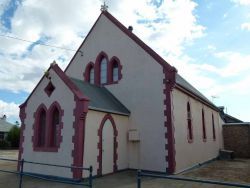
(41, 128)
(214, 134)
(115, 72)
(189, 123)
(204, 134)
(103, 71)
(54, 128)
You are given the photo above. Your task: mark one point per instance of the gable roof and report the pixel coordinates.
(179, 80)
(64, 78)
(100, 98)
(5, 126)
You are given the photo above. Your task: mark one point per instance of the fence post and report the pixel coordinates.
(21, 173)
(90, 176)
(138, 178)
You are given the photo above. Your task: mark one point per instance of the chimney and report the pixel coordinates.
(130, 28)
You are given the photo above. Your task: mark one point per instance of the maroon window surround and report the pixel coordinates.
(114, 71)
(47, 128)
(87, 74)
(214, 134)
(204, 133)
(189, 124)
(97, 66)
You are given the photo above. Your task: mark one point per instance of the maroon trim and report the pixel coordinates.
(214, 134)
(98, 60)
(111, 63)
(83, 43)
(204, 133)
(22, 115)
(169, 82)
(49, 89)
(64, 78)
(36, 127)
(53, 106)
(68, 82)
(99, 145)
(47, 147)
(86, 74)
(78, 139)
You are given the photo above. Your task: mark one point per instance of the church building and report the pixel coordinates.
(118, 105)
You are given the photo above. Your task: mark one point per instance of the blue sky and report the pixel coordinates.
(207, 41)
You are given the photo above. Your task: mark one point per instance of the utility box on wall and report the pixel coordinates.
(133, 135)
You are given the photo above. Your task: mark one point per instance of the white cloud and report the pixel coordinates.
(65, 24)
(245, 26)
(242, 2)
(11, 110)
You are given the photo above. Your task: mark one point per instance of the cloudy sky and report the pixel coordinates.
(207, 41)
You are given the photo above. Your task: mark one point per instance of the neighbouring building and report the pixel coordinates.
(4, 128)
(118, 105)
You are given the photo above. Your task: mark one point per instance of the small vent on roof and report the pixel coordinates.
(130, 28)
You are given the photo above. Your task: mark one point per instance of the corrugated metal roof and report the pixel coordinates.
(5, 126)
(100, 98)
(181, 81)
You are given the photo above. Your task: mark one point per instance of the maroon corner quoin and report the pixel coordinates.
(99, 145)
(169, 81)
(22, 115)
(80, 112)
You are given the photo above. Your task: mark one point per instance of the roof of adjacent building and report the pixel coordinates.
(100, 98)
(5, 126)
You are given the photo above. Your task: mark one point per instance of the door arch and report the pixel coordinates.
(107, 124)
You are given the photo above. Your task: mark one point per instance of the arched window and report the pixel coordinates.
(54, 128)
(115, 72)
(204, 134)
(189, 123)
(41, 128)
(103, 71)
(214, 134)
(91, 75)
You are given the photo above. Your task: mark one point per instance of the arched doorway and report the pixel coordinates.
(107, 146)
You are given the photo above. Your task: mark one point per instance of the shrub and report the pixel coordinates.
(4, 144)
(14, 136)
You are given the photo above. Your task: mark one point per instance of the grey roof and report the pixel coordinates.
(5, 126)
(100, 98)
(182, 82)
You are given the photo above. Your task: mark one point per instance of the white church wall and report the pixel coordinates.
(63, 156)
(198, 151)
(140, 90)
(91, 151)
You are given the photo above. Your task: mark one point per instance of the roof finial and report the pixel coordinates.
(104, 7)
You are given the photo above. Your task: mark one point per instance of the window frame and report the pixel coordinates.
(190, 135)
(204, 131)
